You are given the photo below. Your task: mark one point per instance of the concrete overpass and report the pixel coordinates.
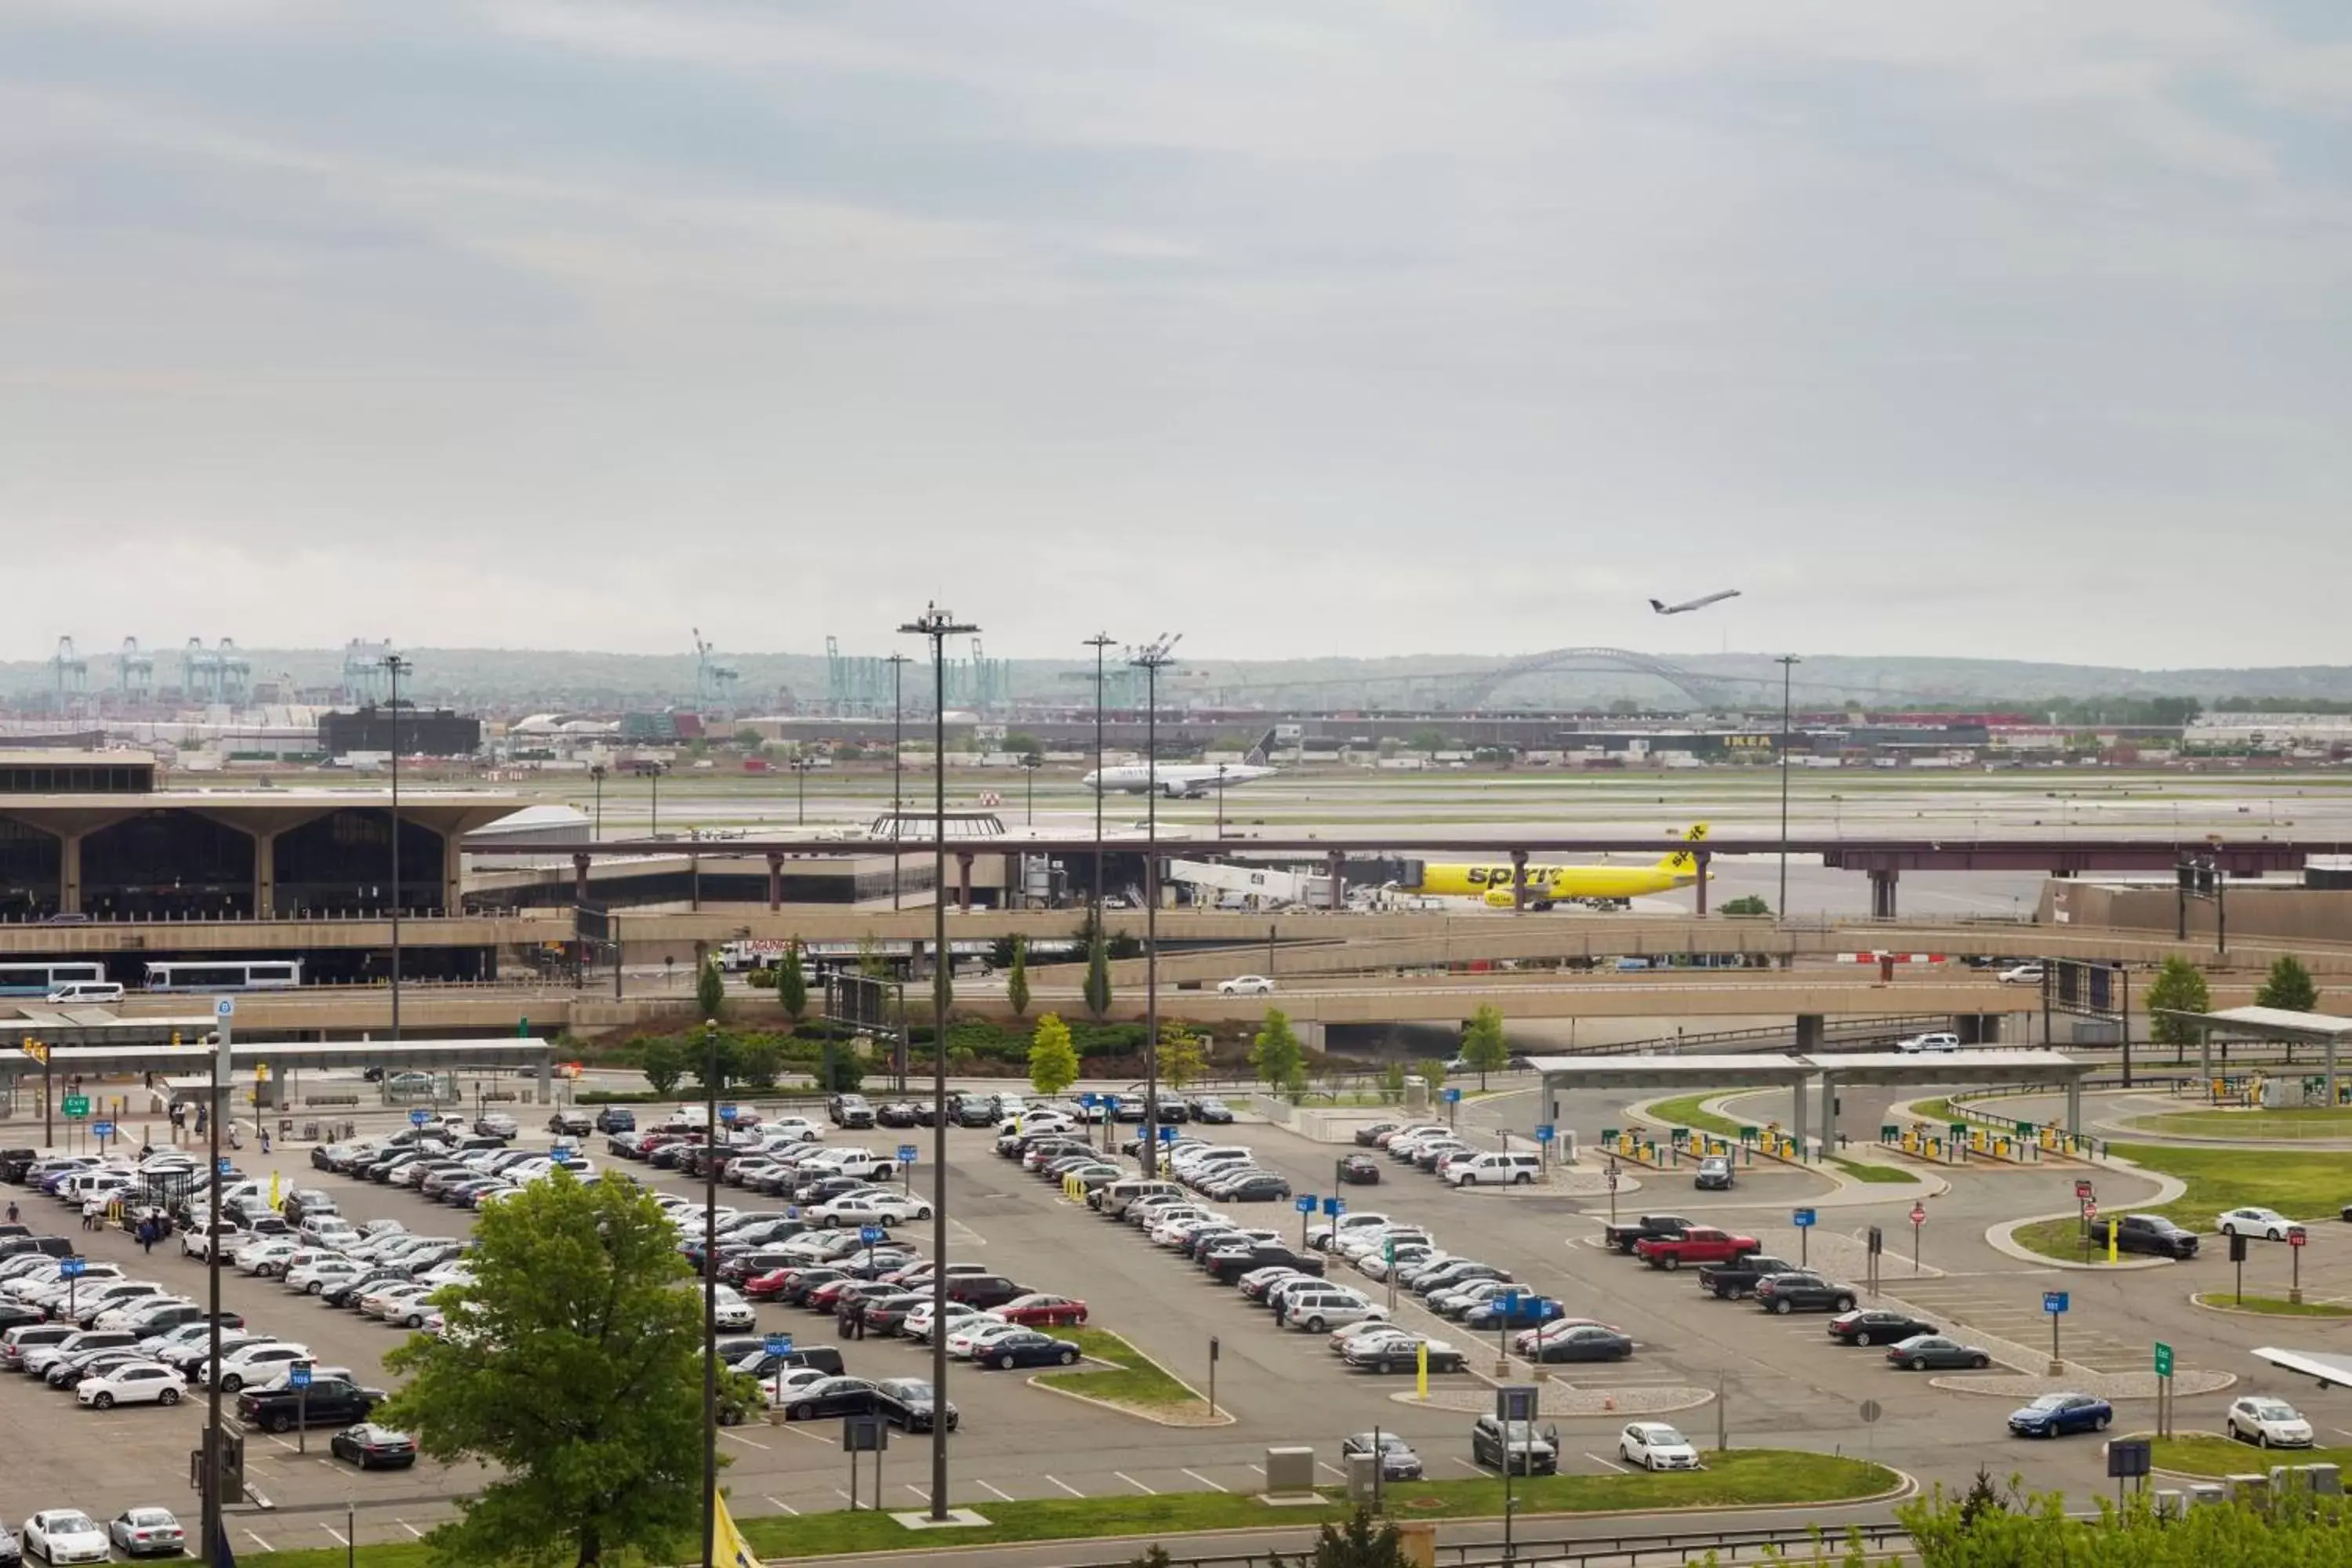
(260, 938)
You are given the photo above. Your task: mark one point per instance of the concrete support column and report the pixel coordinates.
(453, 873)
(546, 1077)
(1702, 858)
(1335, 869)
(264, 875)
(1811, 1033)
(1882, 893)
(775, 881)
(69, 873)
(1518, 882)
(963, 878)
(580, 878)
(2204, 1056)
(1797, 1115)
(1828, 1112)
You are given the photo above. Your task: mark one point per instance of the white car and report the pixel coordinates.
(253, 1364)
(1313, 1310)
(1360, 1244)
(1412, 1255)
(128, 1314)
(1320, 1237)
(65, 1535)
(324, 1274)
(2021, 974)
(791, 1129)
(2269, 1422)
(331, 1231)
(967, 1341)
(267, 1258)
(918, 1323)
(872, 1209)
(730, 1313)
(393, 1304)
(1934, 1043)
(2266, 1224)
(1245, 985)
(1655, 1446)
(780, 1386)
(137, 1382)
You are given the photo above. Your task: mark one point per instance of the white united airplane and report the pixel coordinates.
(1191, 781)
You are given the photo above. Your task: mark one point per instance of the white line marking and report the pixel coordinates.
(1204, 1480)
(1066, 1486)
(1333, 1468)
(845, 1497)
(780, 1503)
(1474, 1469)
(999, 1496)
(803, 1432)
(258, 1542)
(1139, 1486)
(747, 1442)
(410, 1528)
(341, 1539)
(1611, 1463)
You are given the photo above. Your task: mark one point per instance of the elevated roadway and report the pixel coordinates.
(261, 938)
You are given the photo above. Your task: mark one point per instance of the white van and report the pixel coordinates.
(1116, 1196)
(87, 990)
(1516, 1168)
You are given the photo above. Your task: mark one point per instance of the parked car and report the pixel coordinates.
(833, 1396)
(1384, 1348)
(1053, 1312)
(1786, 1294)
(327, 1401)
(1655, 1446)
(147, 1532)
(374, 1447)
(1359, 1170)
(62, 1535)
(1926, 1352)
(2268, 1423)
(2056, 1415)
(1209, 1110)
(2146, 1233)
(1530, 1452)
(912, 1403)
(133, 1383)
(2264, 1225)
(1563, 1339)
(1876, 1326)
(1024, 1347)
(1398, 1461)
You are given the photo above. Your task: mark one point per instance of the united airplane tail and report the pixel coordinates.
(1256, 755)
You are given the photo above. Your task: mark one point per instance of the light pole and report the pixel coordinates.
(1220, 800)
(1152, 658)
(395, 667)
(1788, 662)
(799, 809)
(1029, 765)
(710, 1291)
(214, 1438)
(1098, 642)
(898, 662)
(939, 625)
(655, 831)
(596, 833)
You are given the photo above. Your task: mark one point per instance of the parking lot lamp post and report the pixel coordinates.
(1220, 800)
(213, 1437)
(898, 662)
(938, 624)
(1788, 662)
(709, 1292)
(1098, 642)
(1152, 658)
(655, 831)
(597, 832)
(395, 667)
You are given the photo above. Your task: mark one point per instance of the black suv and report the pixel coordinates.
(615, 1119)
(1803, 1293)
(2146, 1232)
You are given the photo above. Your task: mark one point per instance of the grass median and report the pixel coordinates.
(1863, 1170)
(2208, 1454)
(1129, 1377)
(2306, 1186)
(1742, 1478)
(2275, 1306)
(1683, 1112)
(2283, 1125)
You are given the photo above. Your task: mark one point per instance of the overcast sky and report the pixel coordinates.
(1305, 326)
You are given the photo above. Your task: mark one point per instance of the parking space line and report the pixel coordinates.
(1066, 1486)
(258, 1542)
(1001, 1495)
(1611, 1463)
(845, 1497)
(919, 1492)
(779, 1503)
(410, 1528)
(1333, 1468)
(1139, 1486)
(1204, 1480)
(737, 1436)
(1466, 1465)
(341, 1539)
(812, 1436)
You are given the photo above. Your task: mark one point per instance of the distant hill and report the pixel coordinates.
(522, 679)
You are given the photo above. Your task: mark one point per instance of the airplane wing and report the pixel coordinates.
(2332, 1370)
(1697, 603)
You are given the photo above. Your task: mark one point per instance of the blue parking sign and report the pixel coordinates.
(419, 1117)
(1450, 1095)
(780, 1345)
(70, 1268)
(1166, 1134)
(727, 1113)
(1306, 1203)
(2055, 1302)
(299, 1375)
(907, 1153)
(1333, 1207)
(870, 1234)
(223, 1163)
(1545, 1133)
(1802, 1219)
(102, 1128)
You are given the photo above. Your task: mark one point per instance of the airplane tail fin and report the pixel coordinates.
(1256, 755)
(1659, 605)
(1682, 861)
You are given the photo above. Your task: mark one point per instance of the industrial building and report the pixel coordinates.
(411, 731)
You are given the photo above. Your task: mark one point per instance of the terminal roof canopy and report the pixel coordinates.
(2268, 1023)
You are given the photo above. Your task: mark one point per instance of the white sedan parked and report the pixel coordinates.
(137, 1382)
(65, 1535)
(1655, 1446)
(2264, 1225)
(2269, 1422)
(872, 1209)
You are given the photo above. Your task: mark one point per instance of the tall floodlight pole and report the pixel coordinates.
(898, 662)
(596, 833)
(939, 625)
(1788, 662)
(1098, 642)
(1152, 658)
(214, 1439)
(395, 667)
(709, 1292)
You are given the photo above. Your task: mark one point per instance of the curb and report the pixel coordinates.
(1222, 1419)
(2274, 1317)
(2001, 1237)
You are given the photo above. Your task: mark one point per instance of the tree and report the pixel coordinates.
(1747, 904)
(1053, 1060)
(710, 989)
(1276, 1053)
(663, 1061)
(1949, 1533)
(2289, 986)
(761, 1062)
(699, 1051)
(1393, 1083)
(1183, 1056)
(792, 983)
(574, 1372)
(1016, 979)
(1431, 1072)
(1427, 738)
(1483, 1045)
(2180, 988)
(1098, 987)
(1021, 743)
(1362, 1543)
(870, 962)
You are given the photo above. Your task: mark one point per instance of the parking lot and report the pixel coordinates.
(1780, 1380)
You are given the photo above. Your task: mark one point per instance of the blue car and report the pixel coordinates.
(2056, 1415)
(1527, 1312)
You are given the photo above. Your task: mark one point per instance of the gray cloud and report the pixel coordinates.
(1336, 326)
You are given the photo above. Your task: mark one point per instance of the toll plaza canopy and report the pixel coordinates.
(2280, 1024)
(1667, 1074)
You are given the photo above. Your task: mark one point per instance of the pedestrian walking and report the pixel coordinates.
(841, 1323)
(858, 1318)
(264, 1140)
(12, 1210)
(147, 1235)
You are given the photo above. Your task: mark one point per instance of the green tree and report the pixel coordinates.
(871, 963)
(1022, 743)
(710, 989)
(1431, 1072)
(792, 983)
(1747, 904)
(2288, 985)
(1098, 985)
(1053, 1060)
(574, 1373)
(1393, 1083)
(663, 1061)
(1950, 1534)
(1183, 1055)
(1276, 1053)
(1483, 1045)
(1427, 738)
(2180, 988)
(1016, 979)
(714, 1058)
(1362, 1543)
(761, 1061)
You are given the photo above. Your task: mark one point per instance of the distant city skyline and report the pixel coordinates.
(1317, 329)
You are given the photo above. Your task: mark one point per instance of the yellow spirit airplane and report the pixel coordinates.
(1602, 885)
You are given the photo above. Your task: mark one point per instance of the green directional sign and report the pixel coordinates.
(2163, 1359)
(76, 1106)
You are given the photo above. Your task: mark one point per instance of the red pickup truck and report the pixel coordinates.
(1697, 1245)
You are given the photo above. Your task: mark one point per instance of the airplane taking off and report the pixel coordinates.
(1192, 781)
(1549, 885)
(1665, 609)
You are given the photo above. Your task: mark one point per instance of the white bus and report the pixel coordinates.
(41, 979)
(225, 974)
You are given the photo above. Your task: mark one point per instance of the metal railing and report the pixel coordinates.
(1532, 1545)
